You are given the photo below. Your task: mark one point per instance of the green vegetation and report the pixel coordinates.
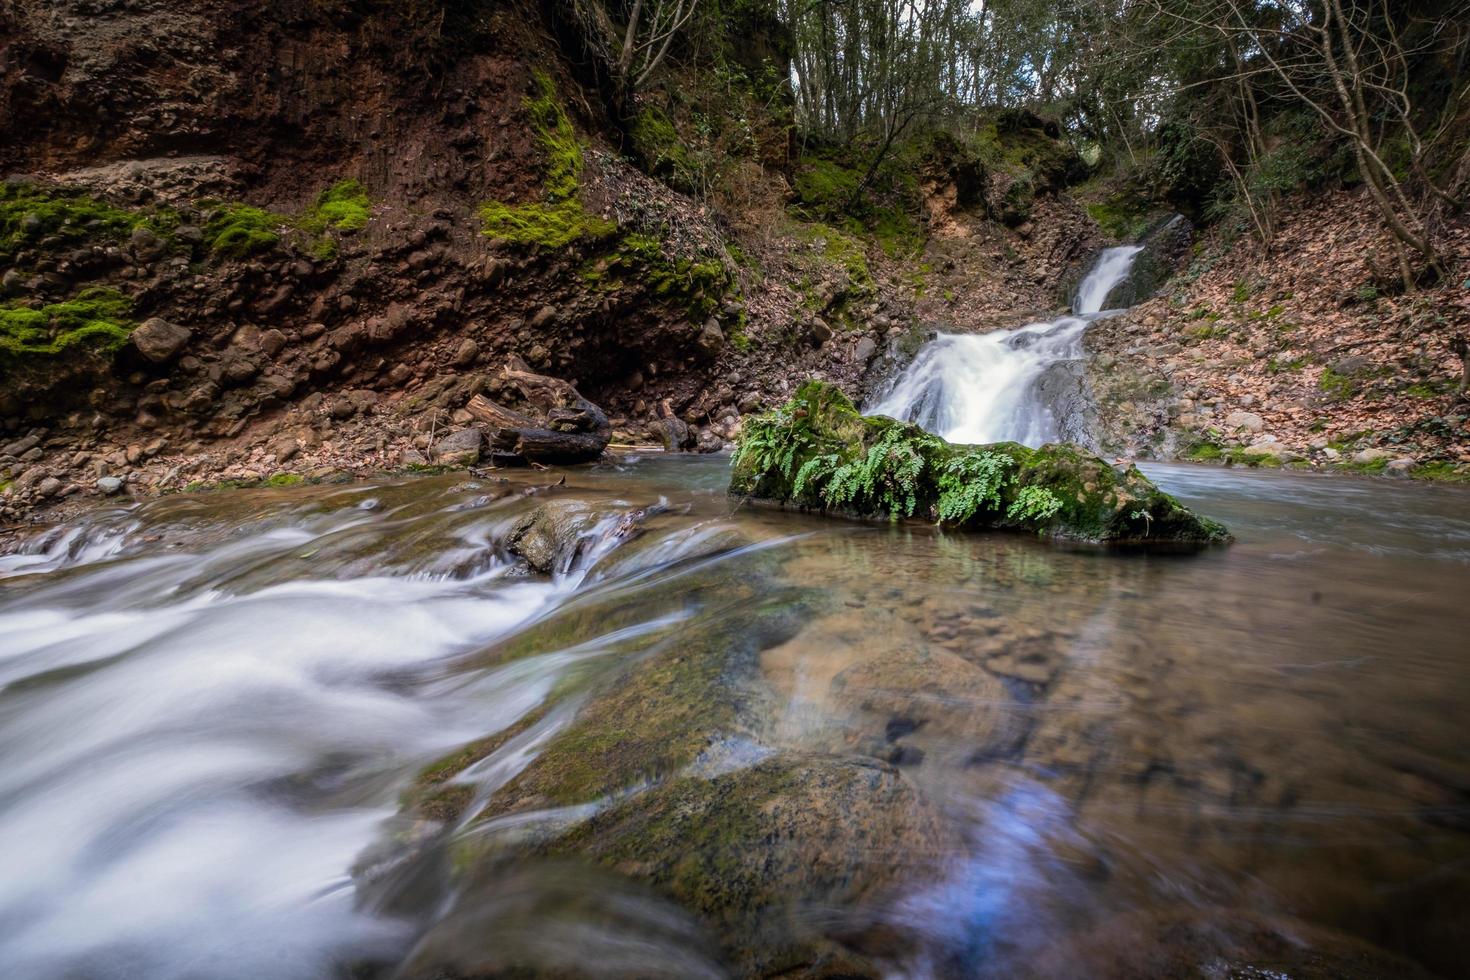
(696, 286)
(342, 207)
(561, 219)
(238, 231)
(817, 452)
(1124, 216)
(663, 152)
(1338, 386)
(96, 321)
(551, 226)
(30, 214)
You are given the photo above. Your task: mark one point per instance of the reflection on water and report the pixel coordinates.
(341, 730)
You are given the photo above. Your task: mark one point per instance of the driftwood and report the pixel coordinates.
(553, 423)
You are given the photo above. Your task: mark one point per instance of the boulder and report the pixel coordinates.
(1248, 421)
(460, 448)
(818, 453)
(711, 339)
(1367, 457)
(109, 485)
(158, 340)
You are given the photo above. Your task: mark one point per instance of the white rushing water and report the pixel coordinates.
(197, 743)
(984, 387)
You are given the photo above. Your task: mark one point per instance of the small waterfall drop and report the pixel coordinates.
(984, 387)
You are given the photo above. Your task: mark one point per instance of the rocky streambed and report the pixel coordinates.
(608, 721)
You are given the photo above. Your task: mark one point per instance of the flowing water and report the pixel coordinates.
(337, 731)
(979, 388)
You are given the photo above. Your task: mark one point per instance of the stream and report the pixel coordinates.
(225, 720)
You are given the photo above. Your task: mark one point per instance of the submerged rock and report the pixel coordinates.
(762, 852)
(819, 453)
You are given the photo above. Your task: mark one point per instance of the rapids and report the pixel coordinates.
(220, 716)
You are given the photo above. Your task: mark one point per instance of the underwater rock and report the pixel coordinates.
(818, 453)
(760, 852)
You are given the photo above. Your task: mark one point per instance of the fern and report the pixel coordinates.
(969, 484)
(773, 442)
(1034, 504)
(886, 477)
(817, 470)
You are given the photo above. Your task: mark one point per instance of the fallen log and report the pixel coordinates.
(551, 423)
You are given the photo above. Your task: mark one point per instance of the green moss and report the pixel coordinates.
(1277, 366)
(1204, 452)
(826, 187)
(558, 140)
(1439, 471)
(551, 225)
(817, 452)
(658, 143)
(343, 207)
(30, 214)
(1124, 216)
(238, 231)
(95, 320)
(1338, 386)
(1428, 389)
(561, 219)
(284, 480)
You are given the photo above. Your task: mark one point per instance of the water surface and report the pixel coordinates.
(216, 712)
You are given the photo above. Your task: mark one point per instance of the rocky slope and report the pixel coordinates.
(245, 242)
(1297, 355)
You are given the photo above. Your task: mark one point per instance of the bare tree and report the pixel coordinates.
(632, 39)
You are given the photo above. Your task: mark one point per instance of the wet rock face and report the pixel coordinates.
(816, 452)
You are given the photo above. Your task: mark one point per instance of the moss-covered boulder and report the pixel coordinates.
(819, 453)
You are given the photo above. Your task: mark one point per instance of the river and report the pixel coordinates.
(335, 731)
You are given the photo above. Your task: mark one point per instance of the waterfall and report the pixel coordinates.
(986, 387)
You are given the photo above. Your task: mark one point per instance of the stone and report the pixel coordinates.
(460, 448)
(542, 317)
(158, 340)
(1367, 456)
(109, 485)
(271, 342)
(711, 338)
(412, 457)
(749, 402)
(673, 433)
(21, 446)
(48, 487)
(865, 350)
(466, 354)
(1400, 467)
(1270, 448)
(145, 243)
(1353, 366)
(820, 331)
(1249, 421)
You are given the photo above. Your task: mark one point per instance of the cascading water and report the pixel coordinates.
(985, 387)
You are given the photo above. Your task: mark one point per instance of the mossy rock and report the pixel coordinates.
(817, 452)
(32, 213)
(94, 323)
(755, 852)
